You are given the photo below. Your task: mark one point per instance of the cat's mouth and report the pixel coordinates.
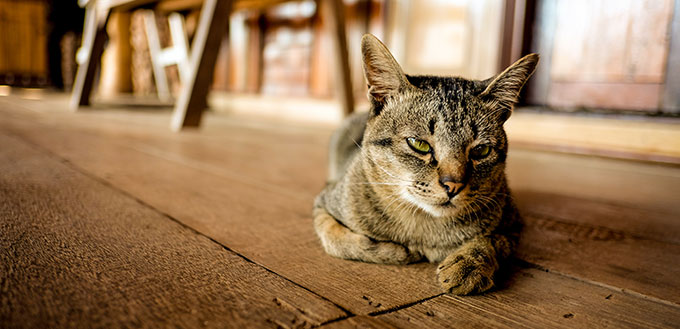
(438, 209)
(447, 204)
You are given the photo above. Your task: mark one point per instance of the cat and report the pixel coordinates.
(421, 175)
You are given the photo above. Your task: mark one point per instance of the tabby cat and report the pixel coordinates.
(422, 174)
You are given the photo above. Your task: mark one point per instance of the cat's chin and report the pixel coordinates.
(444, 209)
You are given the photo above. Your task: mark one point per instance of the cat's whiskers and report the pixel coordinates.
(483, 208)
(478, 210)
(489, 201)
(412, 207)
(473, 211)
(409, 208)
(378, 183)
(355, 143)
(502, 194)
(395, 195)
(464, 215)
(388, 173)
(397, 208)
(403, 208)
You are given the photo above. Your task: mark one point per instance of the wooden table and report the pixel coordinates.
(212, 27)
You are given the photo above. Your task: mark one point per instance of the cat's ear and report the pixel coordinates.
(383, 74)
(503, 90)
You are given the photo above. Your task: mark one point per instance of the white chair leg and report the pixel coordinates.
(180, 45)
(155, 49)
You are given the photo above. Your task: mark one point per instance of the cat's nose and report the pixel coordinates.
(452, 187)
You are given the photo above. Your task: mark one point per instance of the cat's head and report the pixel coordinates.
(437, 142)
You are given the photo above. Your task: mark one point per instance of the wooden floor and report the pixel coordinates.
(108, 219)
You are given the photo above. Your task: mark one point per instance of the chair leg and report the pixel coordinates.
(155, 50)
(180, 45)
(212, 26)
(336, 13)
(94, 37)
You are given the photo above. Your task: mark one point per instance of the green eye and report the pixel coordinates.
(480, 152)
(419, 145)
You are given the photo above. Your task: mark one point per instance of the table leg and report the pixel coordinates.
(342, 70)
(212, 26)
(94, 37)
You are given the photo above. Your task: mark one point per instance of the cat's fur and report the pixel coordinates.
(386, 203)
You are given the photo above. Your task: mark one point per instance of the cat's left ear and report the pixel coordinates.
(503, 90)
(383, 74)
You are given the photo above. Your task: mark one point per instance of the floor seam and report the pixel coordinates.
(389, 310)
(405, 306)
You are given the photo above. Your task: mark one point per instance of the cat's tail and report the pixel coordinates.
(345, 144)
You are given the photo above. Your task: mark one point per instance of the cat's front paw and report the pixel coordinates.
(464, 273)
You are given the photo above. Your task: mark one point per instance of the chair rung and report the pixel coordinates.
(170, 56)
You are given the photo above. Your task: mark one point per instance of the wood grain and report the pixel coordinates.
(530, 299)
(23, 40)
(76, 251)
(598, 254)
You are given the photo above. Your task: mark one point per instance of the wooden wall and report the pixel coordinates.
(23, 42)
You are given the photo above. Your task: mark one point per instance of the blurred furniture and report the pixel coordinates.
(212, 26)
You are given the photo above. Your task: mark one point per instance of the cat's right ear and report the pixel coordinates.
(503, 90)
(383, 74)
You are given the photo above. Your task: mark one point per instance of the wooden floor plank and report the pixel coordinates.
(258, 208)
(75, 252)
(267, 227)
(601, 255)
(624, 219)
(530, 299)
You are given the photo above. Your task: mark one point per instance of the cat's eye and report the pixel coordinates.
(419, 145)
(480, 152)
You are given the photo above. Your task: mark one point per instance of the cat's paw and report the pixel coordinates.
(385, 252)
(465, 273)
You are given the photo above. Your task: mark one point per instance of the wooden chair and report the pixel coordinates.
(212, 26)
